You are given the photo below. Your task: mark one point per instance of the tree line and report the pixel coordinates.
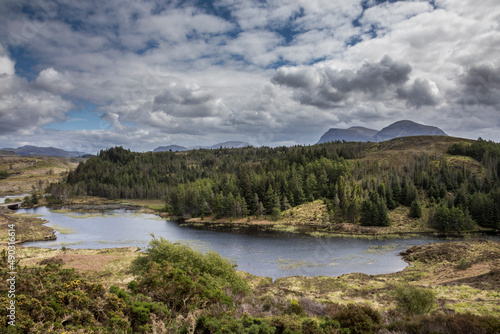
(267, 181)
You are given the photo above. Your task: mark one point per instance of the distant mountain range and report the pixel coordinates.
(356, 133)
(177, 148)
(403, 128)
(52, 151)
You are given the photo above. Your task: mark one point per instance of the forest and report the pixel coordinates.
(267, 181)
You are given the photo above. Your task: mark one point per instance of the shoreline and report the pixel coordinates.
(246, 225)
(343, 230)
(435, 266)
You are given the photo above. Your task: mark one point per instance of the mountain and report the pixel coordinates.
(355, 133)
(406, 129)
(52, 151)
(227, 144)
(398, 129)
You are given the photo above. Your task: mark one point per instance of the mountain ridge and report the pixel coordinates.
(49, 151)
(402, 128)
(178, 148)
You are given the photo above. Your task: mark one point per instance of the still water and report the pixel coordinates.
(270, 254)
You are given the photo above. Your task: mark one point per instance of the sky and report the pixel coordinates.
(87, 75)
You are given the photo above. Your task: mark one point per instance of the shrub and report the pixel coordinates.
(294, 308)
(214, 268)
(463, 264)
(448, 324)
(227, 324)
(286, 324)
(179, 290)
(413, 299)
(359, 319)
(275, 214)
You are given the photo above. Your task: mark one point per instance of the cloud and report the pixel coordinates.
(53, 81)
(188, 101)
(327, 87)
(23, 107)
(261, 71)
(420, 93)
(480, 84)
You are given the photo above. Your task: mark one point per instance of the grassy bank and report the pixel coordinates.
(312, 219)
(27, 228)
(455, 288)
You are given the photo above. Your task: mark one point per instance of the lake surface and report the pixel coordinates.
(272, 254)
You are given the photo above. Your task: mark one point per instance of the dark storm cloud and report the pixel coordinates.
(327, 87)
(420, 93)
(481, 86)
(375, 78)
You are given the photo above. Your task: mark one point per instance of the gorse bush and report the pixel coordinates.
(359, 319)
(179, 290)
(413, 299)
(218, 271)
(294, 308)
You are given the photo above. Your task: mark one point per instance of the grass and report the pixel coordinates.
(63, 230)
(381, 249)
(431, 267)
(33, 172)
(428, 269)
(290, 264)
(27, 228)
(152, 204)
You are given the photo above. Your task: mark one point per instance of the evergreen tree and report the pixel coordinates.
(284, 204)
(374, 211)
(415, 209)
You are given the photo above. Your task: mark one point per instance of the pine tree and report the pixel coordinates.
(415, 209)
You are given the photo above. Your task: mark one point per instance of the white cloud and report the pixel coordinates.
(23, 108)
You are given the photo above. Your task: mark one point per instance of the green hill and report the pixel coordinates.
(359, 183)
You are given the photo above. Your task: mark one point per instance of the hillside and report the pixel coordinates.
(398, 129)
(27, 173)
(411, 182)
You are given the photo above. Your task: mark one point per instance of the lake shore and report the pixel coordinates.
(463, 275)
(27, 227)
(307, 219)
(310, 219)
